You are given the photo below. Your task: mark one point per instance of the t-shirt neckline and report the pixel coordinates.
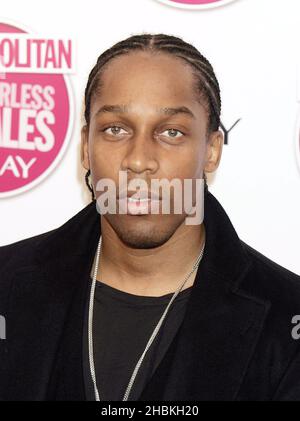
(119, 295)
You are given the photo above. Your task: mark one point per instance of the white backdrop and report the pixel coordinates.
(254, 48)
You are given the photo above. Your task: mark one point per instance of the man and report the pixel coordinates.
(141, 305)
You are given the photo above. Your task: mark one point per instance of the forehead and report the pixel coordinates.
(147, 77)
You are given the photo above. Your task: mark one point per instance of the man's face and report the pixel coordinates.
(143, 139)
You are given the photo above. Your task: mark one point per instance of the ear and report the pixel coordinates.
(84, 150)
(214, 151)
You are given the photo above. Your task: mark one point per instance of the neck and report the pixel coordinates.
(150, 272)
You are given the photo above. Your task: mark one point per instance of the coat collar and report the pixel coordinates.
(208, 356)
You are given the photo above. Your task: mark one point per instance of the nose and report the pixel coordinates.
(140, 155)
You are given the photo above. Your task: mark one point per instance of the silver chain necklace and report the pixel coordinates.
(154, 333)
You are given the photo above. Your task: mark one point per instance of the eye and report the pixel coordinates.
(115, 130)
(173, 133)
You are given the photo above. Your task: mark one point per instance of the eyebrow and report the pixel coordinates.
(112, 109)
(164, 110)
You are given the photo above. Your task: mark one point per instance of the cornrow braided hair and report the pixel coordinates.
(207, 85)
(89, 185)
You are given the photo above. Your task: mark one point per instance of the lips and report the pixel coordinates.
(141, 195)
(138, 207)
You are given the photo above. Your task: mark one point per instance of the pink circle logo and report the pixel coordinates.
(196, 4)
(36, 107)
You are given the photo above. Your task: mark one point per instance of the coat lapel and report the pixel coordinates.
(210, 352)
(208, 356)
(46, 313)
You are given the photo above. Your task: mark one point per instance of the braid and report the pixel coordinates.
(207, 85)
(88, 184)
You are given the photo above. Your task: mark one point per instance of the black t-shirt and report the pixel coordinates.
(123, 324)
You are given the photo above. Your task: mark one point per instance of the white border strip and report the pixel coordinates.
(297, 137)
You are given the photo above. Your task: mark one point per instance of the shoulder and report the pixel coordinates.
(272, 283)
(25, 253)
(279, 289)
(278, 346)
(21, 252)
(271, 280)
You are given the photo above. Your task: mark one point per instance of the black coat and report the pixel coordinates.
(235, 341)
